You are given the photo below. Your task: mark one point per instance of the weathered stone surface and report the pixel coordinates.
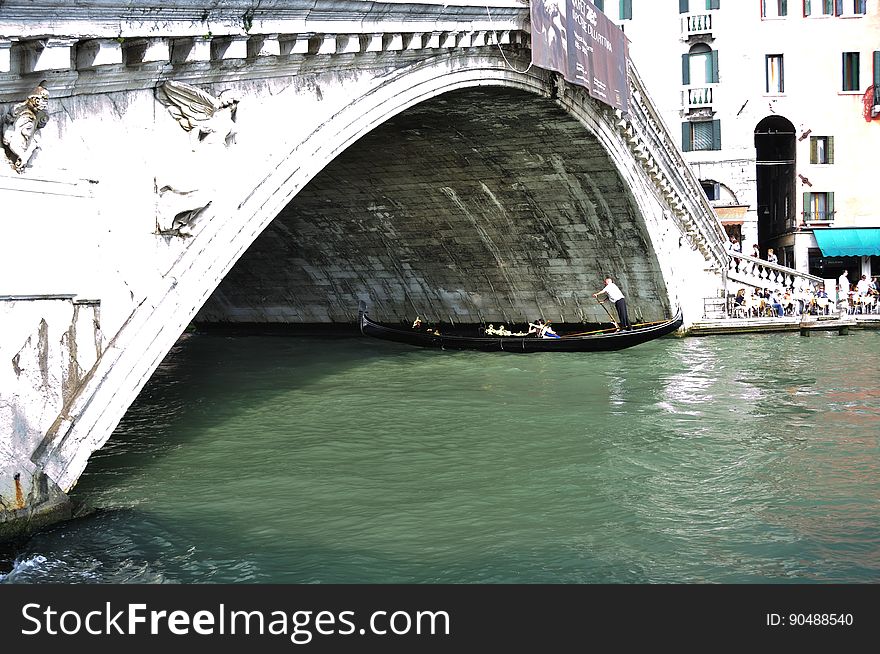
(526, 204)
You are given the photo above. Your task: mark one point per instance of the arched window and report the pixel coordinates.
(699, 66)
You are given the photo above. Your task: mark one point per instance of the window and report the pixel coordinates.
(849, 7)
(702, 135)
(818, 207)
(699, 67)
(850, 71)
(876, 77)
(774, 8)
(711, 189)
(821, 149)
(818, 7)
(600, 5)
(775, 74)
(626, 9)
(684, 5)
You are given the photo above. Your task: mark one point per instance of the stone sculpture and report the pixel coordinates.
(21, 127)
(187, 187)
(177, 209)
(198, 112)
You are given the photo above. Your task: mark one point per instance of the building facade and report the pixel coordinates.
(777, 107)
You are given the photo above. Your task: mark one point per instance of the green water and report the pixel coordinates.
(301, 460)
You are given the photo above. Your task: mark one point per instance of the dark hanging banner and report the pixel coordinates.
(574, 38)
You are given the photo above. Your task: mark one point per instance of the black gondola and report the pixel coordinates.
(594, 341)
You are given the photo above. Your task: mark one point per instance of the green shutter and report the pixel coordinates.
(829, 206)
(716, 134)
(686, 137)
(808, 201)
(685, 69)
(876, 69)
(626, 9)
(806, 7)
(713, 4)
(814, 150)
(712, 73)
(683, 7)
(829, 149)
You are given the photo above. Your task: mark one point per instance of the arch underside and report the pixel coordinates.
(483, 204)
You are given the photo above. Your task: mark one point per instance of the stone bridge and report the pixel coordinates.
(277, 162)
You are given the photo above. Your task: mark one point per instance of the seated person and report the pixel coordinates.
(547, 330)
(776, 303)
(740, 299)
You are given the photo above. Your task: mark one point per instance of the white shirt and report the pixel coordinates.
(863, 286)
(843, 283)
(613, 292)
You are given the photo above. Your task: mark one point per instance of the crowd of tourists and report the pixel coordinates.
(859, 298)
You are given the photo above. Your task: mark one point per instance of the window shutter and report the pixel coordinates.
(783, 7)
(600, 5)
(713, 4)
(685, 69)
(829, 206)
(686, 137)
(838, 7)
(829, 149)
(716, 134)
(683, 6)
(814, 150)
(806, 7)
(712, 73)
(626, 9)
(876, 69)
(808, 209)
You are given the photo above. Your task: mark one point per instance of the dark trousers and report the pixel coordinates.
(620, 305)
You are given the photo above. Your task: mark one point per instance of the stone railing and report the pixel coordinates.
(121, 38)
(758, 273)
(698, 96)
(693, 24)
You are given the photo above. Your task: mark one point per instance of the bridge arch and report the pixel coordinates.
(242, 211)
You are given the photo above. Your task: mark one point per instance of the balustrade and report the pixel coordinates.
(702, 96)
(762, 274)
(692, 24)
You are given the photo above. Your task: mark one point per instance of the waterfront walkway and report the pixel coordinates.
(806, 324)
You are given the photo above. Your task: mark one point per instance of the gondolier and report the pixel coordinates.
(616, 295)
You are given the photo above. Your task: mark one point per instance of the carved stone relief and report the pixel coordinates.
(199, 112)
(186, 188)
(21, 127)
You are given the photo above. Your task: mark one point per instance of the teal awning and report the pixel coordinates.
(848, 241)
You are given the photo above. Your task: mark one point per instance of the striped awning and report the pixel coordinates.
(731, 215)
(848, 241)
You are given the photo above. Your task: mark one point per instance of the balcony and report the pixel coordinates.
(697, 24)
(697, 97)
(818, 218)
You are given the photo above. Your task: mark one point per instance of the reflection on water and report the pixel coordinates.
(256, 460)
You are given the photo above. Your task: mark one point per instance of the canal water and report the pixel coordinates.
(738, 459)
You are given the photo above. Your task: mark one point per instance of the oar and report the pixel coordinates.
(616, 326)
